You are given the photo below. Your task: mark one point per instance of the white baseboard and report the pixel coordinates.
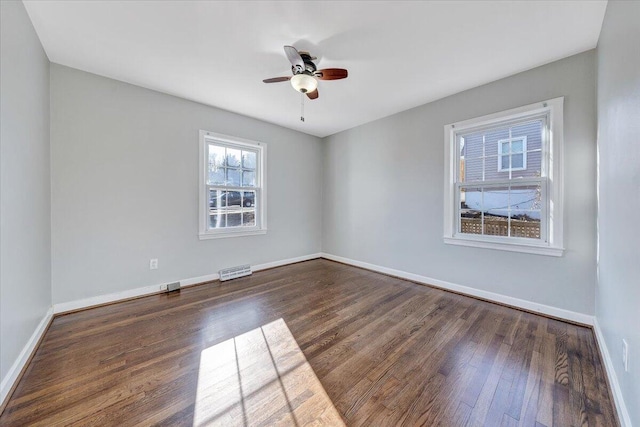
(197, 280)
(154, 289)
(623, 414)
(548, 310)
(14, 372)
(64, 307)
(285, 262)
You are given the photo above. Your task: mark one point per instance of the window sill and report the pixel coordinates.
(207, 236)
(511, 247)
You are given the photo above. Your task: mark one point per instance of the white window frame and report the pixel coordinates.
(510, 153)
(552, 216)
(261, 186)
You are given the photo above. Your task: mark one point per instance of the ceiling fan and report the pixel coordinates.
(305, 74)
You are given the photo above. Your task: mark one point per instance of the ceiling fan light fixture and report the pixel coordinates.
(304, 83)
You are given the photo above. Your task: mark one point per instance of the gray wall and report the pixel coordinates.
(383, 191)
(618, 289)
(25, 197)
(125, 188)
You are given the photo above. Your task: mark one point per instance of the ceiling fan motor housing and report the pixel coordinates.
(309, 66)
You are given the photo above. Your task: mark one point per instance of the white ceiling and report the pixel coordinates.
(399, 54)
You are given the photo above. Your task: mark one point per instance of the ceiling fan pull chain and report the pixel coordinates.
(301, 107)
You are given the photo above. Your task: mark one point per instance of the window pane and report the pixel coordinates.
(470, 145)
(491, 138)
(495, 225)
(233, 177)
(216, 155)
(496, 199)
(234, 219)
(517, 161)
(216, 199)
(249, 218)
(471, 198)
(517, 146)
(471, 152)
(217, 220)
(233, 199)
(472, 169)
(533, 166)
(534, 132)
(215, 174)
(523, 224)
(525, 197)
(471, 222)
(504, 147)
(524, 210)
(496, 211)
(248, 160)
(471, 210)
(233, 157)
(505, 163)
(248, 179)
(248, 198)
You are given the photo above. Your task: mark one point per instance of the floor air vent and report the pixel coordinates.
(234, 272)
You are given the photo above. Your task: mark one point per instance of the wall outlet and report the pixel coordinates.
(625, 355)
(153, 264)
(163, 287)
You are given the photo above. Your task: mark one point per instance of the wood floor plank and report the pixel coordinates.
(314, 343)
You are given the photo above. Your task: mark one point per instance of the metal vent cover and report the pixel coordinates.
(235, 272)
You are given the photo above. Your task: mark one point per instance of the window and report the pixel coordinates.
(503, 182)
(232, 186)
(512, 154)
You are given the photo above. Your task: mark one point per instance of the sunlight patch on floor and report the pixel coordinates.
(260, 378)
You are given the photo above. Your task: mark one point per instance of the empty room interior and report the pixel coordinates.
(362, 213)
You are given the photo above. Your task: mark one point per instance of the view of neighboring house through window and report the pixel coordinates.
(500, 190)
(232, 194)
(499, 195)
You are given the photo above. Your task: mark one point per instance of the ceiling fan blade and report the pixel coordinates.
(294, 57)
(276, 79)
(332, 74)
(313, 95)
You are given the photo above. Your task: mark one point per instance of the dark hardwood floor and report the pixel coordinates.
(379, 351)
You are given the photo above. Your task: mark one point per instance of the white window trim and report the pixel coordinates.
(261, 193)
(553, 244)
(524, 154)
